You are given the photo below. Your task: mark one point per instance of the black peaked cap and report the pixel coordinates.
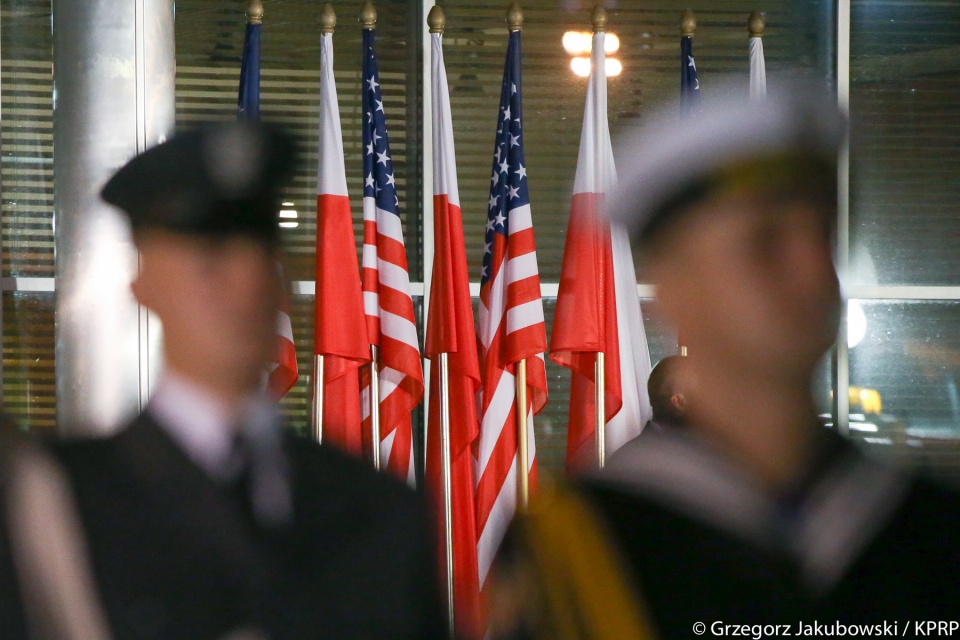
(221, 179)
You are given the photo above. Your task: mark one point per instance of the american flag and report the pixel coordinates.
(689, 83)
(511, 324)
(391, 324)
(282, 372)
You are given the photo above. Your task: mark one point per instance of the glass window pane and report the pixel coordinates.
(29, 385)
(799, 36)
(26, 104)
(904, 377)
(209, 47)
(904, 160)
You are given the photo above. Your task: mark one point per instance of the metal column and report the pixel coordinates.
(114, 97)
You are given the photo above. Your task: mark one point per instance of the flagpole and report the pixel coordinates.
(688, 25)
(515, 23)
(447, 483)
(368, 20)
(375, 404)
(318, 397)
(436, 20)
(598, 18)
(328, 21)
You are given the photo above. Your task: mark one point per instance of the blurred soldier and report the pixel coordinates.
(754, 514)
(202, 517)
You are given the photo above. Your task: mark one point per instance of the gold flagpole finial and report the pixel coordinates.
(515, 17)
(368, 15)
(436, 19)
(688, 23)
(756, 24)
(328, 19)
(255, 12)
(598, 18)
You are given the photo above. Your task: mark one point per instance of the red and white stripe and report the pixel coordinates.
(391, 325)
(511, 329)
(283, 372)
(598, 308)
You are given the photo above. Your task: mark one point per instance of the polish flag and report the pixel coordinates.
(450, 330)
(340, 332)
(598, 309)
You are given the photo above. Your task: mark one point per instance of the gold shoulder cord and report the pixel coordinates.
(585, 592)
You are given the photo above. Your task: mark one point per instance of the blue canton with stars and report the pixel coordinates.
(378, 175)
(508, 181)
(689, 83)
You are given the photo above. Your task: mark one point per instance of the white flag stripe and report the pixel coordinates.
(331, 177)
(531, 442)
(492, 423)
(393, 276)
(369, 256)
(444, 171)
(521, 267)
(596, 172)
(490, 323)
(369, 210)
(398, 328)
(388, 224)
(390, 379)
(634, 354)
(371, 303)
(496, 526)
(758, 70)
(524, 315)
(520, 219)
(284, 326)
(386, 445)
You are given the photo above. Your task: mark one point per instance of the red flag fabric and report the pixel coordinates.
(598, 309)
(340, 332)
(511, 326)
(450, 330)
(283, 372)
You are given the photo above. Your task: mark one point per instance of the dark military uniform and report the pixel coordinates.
(176, 554)
(854, 541)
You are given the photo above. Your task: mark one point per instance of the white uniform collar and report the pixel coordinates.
(204, 426)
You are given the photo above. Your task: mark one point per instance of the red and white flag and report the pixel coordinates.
(340, 332)
(450, 330)
(598, 309)
(511, 325)
(283, 372)
(391, 324)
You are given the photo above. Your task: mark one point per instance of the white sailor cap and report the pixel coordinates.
(671, 160)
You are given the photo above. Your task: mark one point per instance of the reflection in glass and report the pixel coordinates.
(905, 382)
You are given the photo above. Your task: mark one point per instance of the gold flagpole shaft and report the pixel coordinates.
(447, 482)
(523, 451)
(375, 404)
(318, 398)
(600, 387)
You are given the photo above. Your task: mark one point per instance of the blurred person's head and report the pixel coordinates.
(669, 386)
(733, 213)
(204, 212)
